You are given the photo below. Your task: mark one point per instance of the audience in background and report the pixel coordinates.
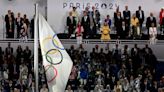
(102, 70)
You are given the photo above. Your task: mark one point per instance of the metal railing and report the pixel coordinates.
(88, 41)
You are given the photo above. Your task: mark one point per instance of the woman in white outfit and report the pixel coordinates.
(153, 34)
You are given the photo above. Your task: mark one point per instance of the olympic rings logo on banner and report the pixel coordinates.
(61, 48)
(49, 59)
(47, 67)
(52, 51)
(44, 42)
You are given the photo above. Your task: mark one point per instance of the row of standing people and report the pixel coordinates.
(22, 25)
(123, 24)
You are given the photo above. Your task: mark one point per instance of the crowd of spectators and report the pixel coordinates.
(110, 69)
(126, 24)
(17, 71)
(19, 25)
(116, 69)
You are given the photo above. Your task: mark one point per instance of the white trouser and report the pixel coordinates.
(79, 39)
(153, 40)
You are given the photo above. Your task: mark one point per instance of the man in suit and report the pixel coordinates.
(71, 24)
(127, 16)
(9, 50)
(118, 24)
(140, 15)
(27, 54)
(85, 22)
(151, 19)
(19, 24)
(32, 27)
(115, 13)
(9, 19)
(135, 56)
(94, 21)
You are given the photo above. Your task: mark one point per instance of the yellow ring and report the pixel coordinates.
(46, 39)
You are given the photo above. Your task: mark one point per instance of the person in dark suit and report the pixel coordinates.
(127, 17)
(115, 13)
(19, 24)
(118, 24)
(9, 50)
(140, 15)
(94, 21)
(71, 24)
(135, 56)
(9, 19)
(32, 27)
(85, 22)
(27, 54)
(151, 19)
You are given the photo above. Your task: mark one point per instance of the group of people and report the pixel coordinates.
(110, 69)
(114, 69)
(17, 71)
(125, 23)
(20, 25)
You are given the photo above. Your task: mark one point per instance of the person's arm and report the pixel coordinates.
(67, 22)
(155, 22)
(147, 23)
(143, 16)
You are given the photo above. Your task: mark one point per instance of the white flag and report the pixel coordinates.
(56, 60)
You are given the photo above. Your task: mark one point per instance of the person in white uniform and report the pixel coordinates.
(153, 34)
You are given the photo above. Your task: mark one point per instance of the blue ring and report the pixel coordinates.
(55, 44)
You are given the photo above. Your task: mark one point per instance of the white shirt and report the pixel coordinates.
(140, 14)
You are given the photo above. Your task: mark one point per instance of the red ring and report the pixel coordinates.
(55, 71)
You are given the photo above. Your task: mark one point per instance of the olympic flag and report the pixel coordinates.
(56, 60)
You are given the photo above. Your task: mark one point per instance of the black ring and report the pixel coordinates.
(51, 58)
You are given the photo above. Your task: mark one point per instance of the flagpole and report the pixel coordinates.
(36, 48)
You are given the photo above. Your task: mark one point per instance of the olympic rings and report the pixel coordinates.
(55, 72)
(61, 48)
(51, 61)
(43, 42)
